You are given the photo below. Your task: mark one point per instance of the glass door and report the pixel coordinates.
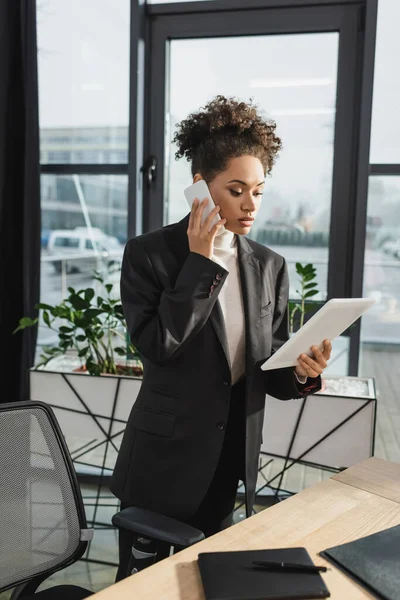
(298, 64)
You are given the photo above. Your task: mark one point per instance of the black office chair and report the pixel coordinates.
(43, 525)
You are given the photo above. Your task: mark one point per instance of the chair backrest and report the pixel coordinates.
(42, 518)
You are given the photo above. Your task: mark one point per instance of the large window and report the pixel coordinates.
(83, 53)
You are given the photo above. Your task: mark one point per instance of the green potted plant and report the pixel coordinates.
(92, 398)
(91, 325)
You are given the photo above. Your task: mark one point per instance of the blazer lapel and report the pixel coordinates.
(250, 276)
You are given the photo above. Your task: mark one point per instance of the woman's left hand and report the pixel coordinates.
(314, 365)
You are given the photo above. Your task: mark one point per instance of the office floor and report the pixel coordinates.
(384, 366)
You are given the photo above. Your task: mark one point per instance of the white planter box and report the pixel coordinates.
(92, 412)
(335, 428)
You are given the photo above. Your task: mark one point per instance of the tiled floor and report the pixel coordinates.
(384, 366)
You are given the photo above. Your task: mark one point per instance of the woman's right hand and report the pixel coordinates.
(201, 240)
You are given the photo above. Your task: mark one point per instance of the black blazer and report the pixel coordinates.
(174, 437)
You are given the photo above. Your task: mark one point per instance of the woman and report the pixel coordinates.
(205, 309)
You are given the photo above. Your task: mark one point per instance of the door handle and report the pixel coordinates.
(150, 171)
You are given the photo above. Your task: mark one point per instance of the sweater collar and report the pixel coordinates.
(224, 239)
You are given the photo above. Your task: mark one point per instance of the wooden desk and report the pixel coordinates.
(374, 475)
(332, 512)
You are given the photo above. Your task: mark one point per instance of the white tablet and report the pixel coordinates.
(328, 323)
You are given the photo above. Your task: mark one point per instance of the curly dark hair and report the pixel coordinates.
(223, 129)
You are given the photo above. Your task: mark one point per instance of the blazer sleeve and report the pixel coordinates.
(161, 322)
(282, 383)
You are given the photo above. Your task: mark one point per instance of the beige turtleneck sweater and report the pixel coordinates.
(231, 301)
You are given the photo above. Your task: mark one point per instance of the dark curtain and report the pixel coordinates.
(19, 193)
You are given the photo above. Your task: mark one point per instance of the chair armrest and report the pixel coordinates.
(156, 526)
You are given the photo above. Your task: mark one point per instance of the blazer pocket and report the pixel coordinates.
(266, 310)
(159, 392)
(153, 422)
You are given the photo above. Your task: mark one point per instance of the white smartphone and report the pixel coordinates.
(200, 191)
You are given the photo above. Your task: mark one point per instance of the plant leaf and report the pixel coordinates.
(63, 336)
(65, 329)
(42, 306)
(311, 293)
(120, 351)
(78, 303)
(61, 311)
(25, 322)
(92, 313)
(83, 351)
(49, 349)
(89, 294)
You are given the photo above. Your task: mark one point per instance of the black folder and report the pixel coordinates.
(230, 576)
(373, 561)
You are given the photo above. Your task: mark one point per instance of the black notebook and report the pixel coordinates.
(373, 561)
(230, 576)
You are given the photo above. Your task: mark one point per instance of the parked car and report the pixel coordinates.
(392, 247)
(83, 249)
